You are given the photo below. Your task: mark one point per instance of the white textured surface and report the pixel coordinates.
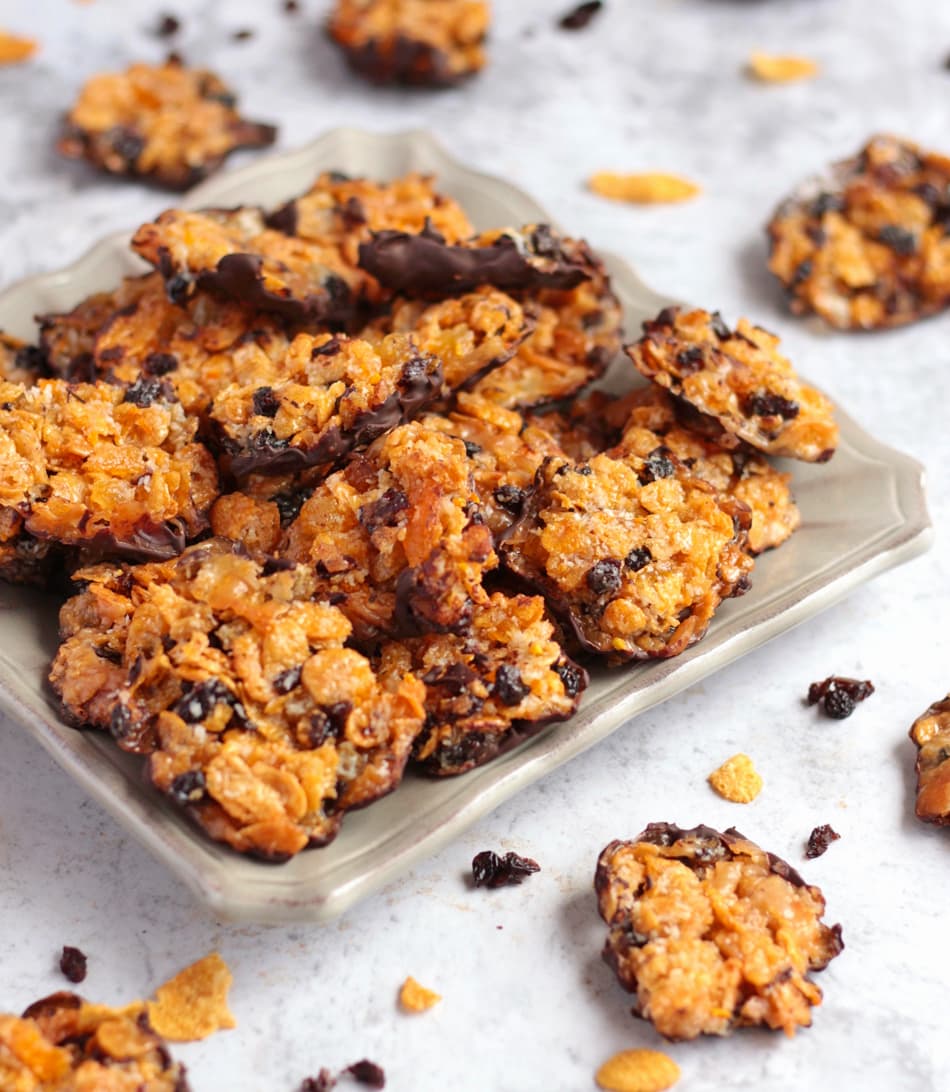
(654, 84)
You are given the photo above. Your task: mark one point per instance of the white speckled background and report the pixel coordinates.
(528, 1005)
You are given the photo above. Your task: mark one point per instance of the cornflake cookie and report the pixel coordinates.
(113, 471)
(433, 43)
(739, 378)
(237, 684)
(395, 539)
(866, 246)
(334, 395)
(931, 733)
(737, 780)
(712, 933)
(165, 124)
(578, 332)
(499, 681)
(651, 420)
(504, 450)
(632, 553)
(234, 254)
(63, 1042)
(472, 334)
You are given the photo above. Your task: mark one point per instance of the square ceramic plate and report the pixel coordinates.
(831, 555)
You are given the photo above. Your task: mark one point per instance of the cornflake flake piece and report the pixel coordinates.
(737, 780)
(14, 49)
(416, 998)
(773, 68)
(193, 1004)
(651, 188)
(638, 1071)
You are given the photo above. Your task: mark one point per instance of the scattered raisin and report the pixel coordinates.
(323, 1082)
(839, 695)
(167, 26)
(242, 35)
(819, 840)
(368, 1073)
(291, 6)
(73, 964)
(490, 870)
(578, 18)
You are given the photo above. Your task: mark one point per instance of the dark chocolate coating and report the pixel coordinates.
(238, 277)
(404, 61)
(425, 265)
(421, 382)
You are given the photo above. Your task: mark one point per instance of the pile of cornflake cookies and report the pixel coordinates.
(330, 493)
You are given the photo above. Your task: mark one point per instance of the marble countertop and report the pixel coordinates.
(528, 1005)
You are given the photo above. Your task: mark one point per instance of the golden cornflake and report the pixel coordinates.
(638, 1071)
(193, 1004)
(737, 780)
(14, 49)
(771, 68)
(416, 998)
(643, 189)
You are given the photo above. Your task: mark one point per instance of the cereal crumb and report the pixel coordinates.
(643, 189)
(737, 780)
(819, 840)
(772, 68)
(638, 1071)
(193, 1004)
(416, 998)
(14, 49)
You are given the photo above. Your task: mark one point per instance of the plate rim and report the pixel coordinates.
(203, 865)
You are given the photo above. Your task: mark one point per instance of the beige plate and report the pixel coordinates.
(862, 513)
